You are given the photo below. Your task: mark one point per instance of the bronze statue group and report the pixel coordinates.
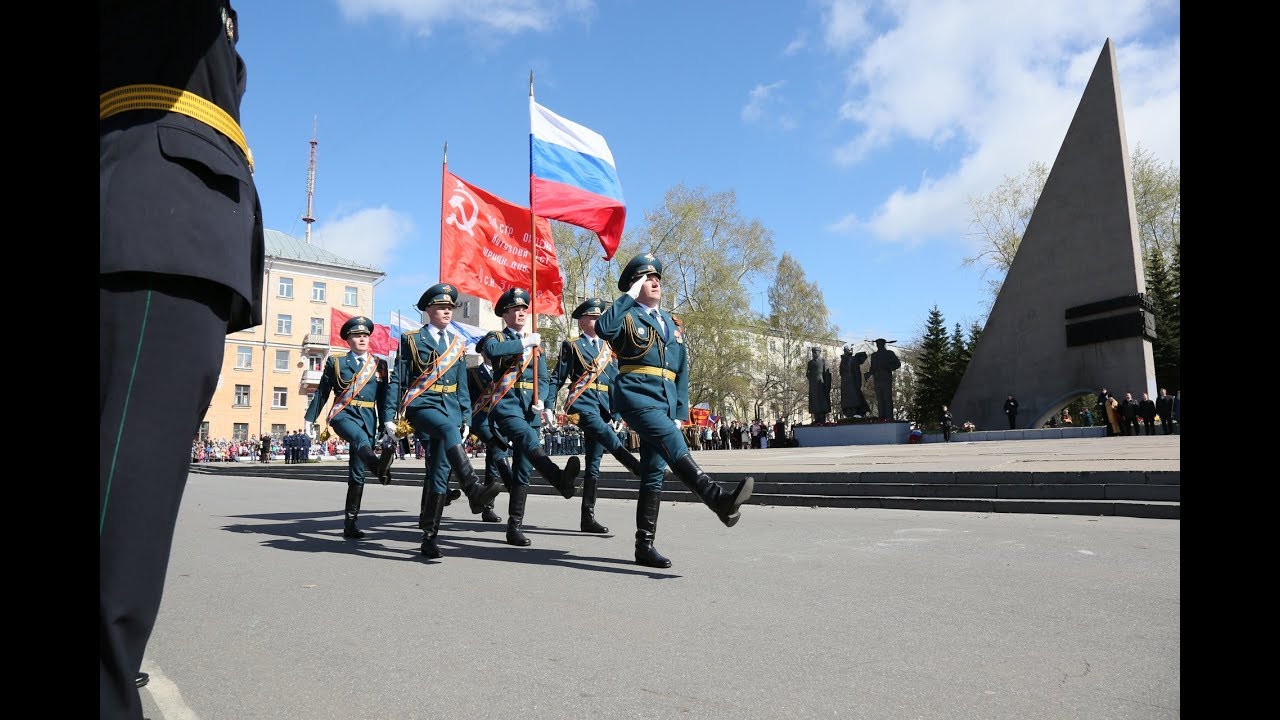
(629, 361)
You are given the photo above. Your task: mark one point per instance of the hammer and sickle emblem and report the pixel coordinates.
(458, 213)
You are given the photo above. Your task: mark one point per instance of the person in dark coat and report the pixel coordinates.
(1129, 415)
(1147, 413)
(1164, 408)
(946, 422)
(1011, 411)
(180, 266)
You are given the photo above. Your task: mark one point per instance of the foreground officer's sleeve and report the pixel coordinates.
(609, 323)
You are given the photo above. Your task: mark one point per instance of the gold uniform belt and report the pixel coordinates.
(162, 97)
(646, 370)
(597, 386)
(443, 388)
(524, 385)
(364, 403)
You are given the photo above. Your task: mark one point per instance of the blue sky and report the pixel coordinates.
(854, 130)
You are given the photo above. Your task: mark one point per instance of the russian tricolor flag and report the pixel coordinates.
(572, 177)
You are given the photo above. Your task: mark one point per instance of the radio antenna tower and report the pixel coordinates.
(311, 181)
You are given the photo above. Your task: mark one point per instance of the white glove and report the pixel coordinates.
(538, 407)
(466, 432)
(533, 340)
(634, 292)
(679, 424)
(390, 427)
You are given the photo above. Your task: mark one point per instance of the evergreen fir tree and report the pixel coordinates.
(933, 370)
(1163, 296)
(961, 353)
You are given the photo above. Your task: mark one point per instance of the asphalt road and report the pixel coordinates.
(793, 613)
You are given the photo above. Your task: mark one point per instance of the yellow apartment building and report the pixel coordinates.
(270, 372)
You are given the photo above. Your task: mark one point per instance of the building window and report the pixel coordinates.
(279, 397)
(466, 309)
(317, 326)
(240, 432)
(318, 291)
(204, 431)
(242, 396)
(284, 288)
(244, 357)
(284, 324)
(315, 362)
(282, 360)
(277, 429)
(350, 296)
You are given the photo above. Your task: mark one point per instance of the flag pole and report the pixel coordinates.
(533, 256)
(444, 169)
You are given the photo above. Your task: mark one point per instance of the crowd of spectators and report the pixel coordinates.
(221, 450)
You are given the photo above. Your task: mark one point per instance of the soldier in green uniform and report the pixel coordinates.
(497, 452)
(429, 389)
(514, 413)
(358, 382)
(589, 362)
(651, 392)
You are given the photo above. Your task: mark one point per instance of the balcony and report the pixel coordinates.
(316, 341)
(311, 379)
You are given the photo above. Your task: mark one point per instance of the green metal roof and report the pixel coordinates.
(283, 246)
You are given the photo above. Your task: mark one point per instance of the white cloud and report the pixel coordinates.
(993, 85)
(800, 42)
(366, 236)
(760, 102)
(510, 17)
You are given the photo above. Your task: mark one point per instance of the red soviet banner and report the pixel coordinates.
(484, 246)
(380, 340)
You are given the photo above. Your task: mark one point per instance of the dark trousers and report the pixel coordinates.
(1013, 420)
(160, 349)
(660, 444)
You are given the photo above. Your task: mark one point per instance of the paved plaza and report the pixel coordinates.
(796, 612)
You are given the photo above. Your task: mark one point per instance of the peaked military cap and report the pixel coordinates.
(515, 297)
(357, 324)
(642, 264)
(438, 294)
(590, 306)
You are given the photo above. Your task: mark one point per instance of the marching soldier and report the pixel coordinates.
(497, 452)
(429, 389)
(510, 406)
(358, 382)
(651, 392)
(589, 362)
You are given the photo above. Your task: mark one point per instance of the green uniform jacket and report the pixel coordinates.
(638, 341)
(336, 377)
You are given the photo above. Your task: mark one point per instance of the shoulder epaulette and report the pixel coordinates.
(676, 319)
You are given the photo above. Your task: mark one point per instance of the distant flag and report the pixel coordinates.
(380, 341)
(572, 177)
(484, 246)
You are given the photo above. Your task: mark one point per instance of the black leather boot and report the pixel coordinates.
(366, 455)
(561, 480)
(349, 529)
(628, 460)
(589, 524)
(515, 515)
(724, 504)
(497, 470)
(432, 509)
(384, 464)
(477, 495)
(646, 528)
